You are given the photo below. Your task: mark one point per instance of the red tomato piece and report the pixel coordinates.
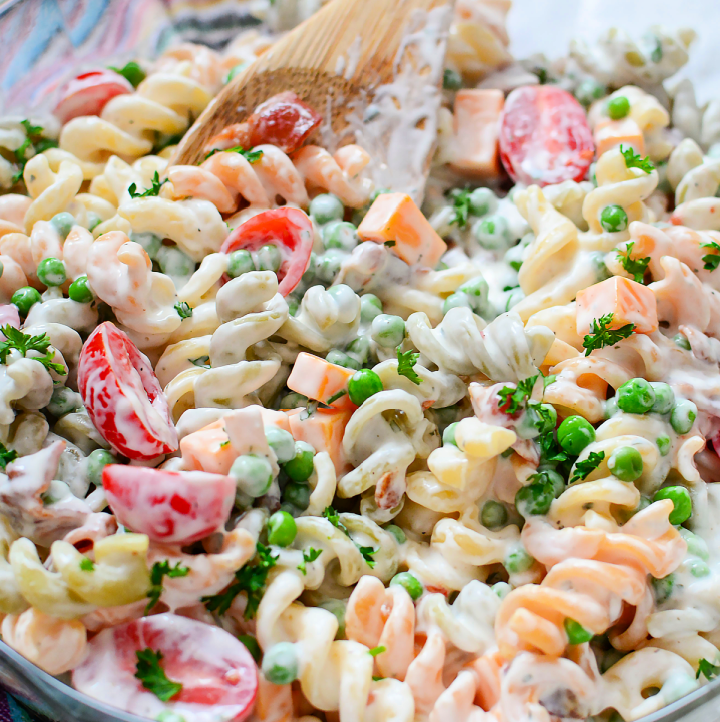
(218, 675)
(544, 136)
(283, 120)
(87, 93)
(287, 228)
(174, 507)
(123, 396)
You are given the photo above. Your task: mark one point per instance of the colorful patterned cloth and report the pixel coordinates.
(12, 711)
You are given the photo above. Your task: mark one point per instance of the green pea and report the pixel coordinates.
(477, 292)
(626, 463)
(301, 467)
(697, 567)
(574, 434)
(253, 474)
(613, 218)
(588, 91)
(309, 276)
(340, 235)
(93, 221)
(326, 208)
(293, 400)
(448, 436)
(234, 72)
(576, 633)
(267, 258)
(492, 232)
(683, 416)
(636, 396)
(618, 107)
(452, 80)
(149, 241)
(25, 298)
(239, 262)
(518, 560)
(173, 262)
(682, 503)
(328, 264)
(387, 330)
(610, 408)
(51, 272)
(96, 462)
(379, 192)
(410, 583)
(282, 529)
(252, 646)
(536, 420)
(534, 499)
(482, 202)
(362, 385)
(501, 589)
(359, 349)
(663, 588)
(456, 300)
(80, 291)
(682, 342)
(281, 442)
(695, 545)
(63, 223)
(493, 515)
(663, 444)
(397, 532)
(337, 607)
(602, 272)
(297, 493)
(280, 664)
(335, 356)
(664, 398)
(63, 401)
(552, 478)
(370, 307)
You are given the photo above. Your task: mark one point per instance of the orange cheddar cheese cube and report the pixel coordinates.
(626, 300)
(476, 126)
(318, 379)
(613, 133)
(395, 217)
(275, 418)
(208, 449)
(323, 430)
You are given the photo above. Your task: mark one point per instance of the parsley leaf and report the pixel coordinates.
(183, 310)
(152, 676)
(584, 468)
(201, 361)
(635, 267)
(34, 141)
(309, 556)
(367, 555)
(131, 71)
(86, 564)
(707, 669)
(15, 339)
(461, 207)
(711, 260)
(549, 379)
(7, 455)
(334, 518)
(406, 363)
(600, 335)
(158, 571)
(250, 579)
(376, 678)
(32, 131)
(633, 160)
(251, 156)
(390, 244)
(377, 650)
(513, 398)
(550, 450)
(224, 443)
(152, 191)
(336, 396)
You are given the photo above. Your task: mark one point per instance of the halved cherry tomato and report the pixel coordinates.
(174, 507)
(287, 228)
(218, 675)
(123, 396)
(284, 121)
(87, 93)
(544, 136)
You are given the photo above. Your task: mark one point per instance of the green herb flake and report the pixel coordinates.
(461, 208)
(550, 450)
(377, 650)
(406, 365)
(633, 160)
(86, 565)
(251, 156)
(549, 379)
(334, 518)
(152, 676)
(707, 669)
(6, 455)
(183, 310)
(309, 556)
(131, 71)
(711, 260)
(336, 396)
(158, 571)
(152, 191)
(202, 362)
(584, 468)
(635, 267)
(15, 339)
(390, 244)
(600, 335)
(513, 398)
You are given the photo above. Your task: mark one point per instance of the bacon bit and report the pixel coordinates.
(284, 121)
(389, 490)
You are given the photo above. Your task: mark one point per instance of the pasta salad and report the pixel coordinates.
(279, 443)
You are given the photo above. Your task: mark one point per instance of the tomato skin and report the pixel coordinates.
(87, 93)
(218, 674)
(284, 121)
(290, 230)
(123, 397)
(173, 507)
(544, 136)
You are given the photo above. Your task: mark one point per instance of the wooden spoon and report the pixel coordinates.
(372, 68)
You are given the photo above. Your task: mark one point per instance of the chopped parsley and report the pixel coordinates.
(549, 379)
(183, 310)
(390, 244)
(6, 455)
(377, 650)
(250, 579)
(251, 156)
(336, 396)
(707, 669)
(634, 160)
(376, 678)
(224, 443)
(309, 556)
(202, 362)
(158, 571)
(635, 267)
(367, 554)
(33, 141)
(600, 335)
(152, 676)
(406, 363)
(711, 260)
(15, 339)
(461, 207)
(152, 191)
(334, 518)
(513, 398)
(131, 71)
(550, 450)
(584, 468)
(86, 565)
